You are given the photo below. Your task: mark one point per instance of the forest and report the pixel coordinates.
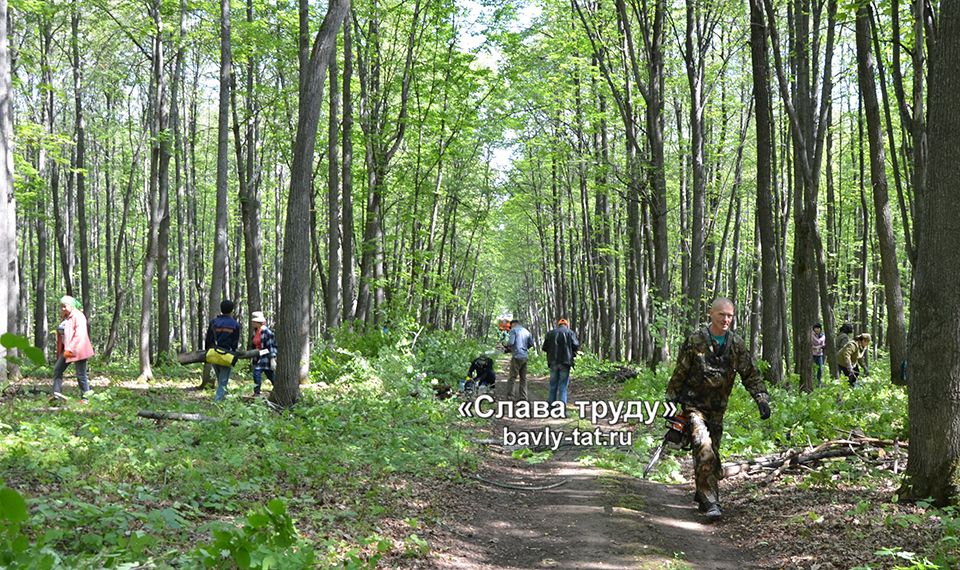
(382, 182)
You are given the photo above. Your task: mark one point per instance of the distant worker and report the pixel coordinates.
(504, 334)
(851, 356)
(480, 376)
(519, 342)
(73, 346)
(702, 381)
(223, 334)
(561, 346)
(817, 341)
(843, 336)
(265, 341)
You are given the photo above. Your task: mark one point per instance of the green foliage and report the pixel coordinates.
(532, 457)
(16, 550)
(12, 341)
(139, 489)
(268, 539)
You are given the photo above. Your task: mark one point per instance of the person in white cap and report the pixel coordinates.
(264, 341)
(73, 345)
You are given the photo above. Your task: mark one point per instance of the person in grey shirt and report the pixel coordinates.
(519, 342)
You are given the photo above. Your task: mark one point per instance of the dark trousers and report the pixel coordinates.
(258, 374)
(60, 367)
(852, 374)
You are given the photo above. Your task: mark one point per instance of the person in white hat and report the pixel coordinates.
(264, 341)
(73, 346)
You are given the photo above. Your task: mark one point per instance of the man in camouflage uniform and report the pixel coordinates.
(701, 382)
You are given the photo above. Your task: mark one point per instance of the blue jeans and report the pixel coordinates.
(258, 378)
(61, 366)
(818, 361)
(223, 376)
(559, 379)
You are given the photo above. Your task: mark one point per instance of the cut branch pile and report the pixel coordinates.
(882, 453)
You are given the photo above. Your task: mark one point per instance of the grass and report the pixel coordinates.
(320, 482)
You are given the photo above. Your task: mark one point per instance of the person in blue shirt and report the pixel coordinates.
(519, 343)
(223, 333)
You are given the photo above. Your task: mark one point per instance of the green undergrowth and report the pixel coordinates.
(875, 408)
(310, 487)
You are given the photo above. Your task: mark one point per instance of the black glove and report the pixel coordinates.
(764, 409)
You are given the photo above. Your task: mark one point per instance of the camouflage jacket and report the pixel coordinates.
(703, 378)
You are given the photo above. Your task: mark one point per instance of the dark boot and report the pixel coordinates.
(712, 510)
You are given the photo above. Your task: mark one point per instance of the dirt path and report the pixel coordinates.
(596, 520)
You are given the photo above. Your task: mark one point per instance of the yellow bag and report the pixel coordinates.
(221, 357)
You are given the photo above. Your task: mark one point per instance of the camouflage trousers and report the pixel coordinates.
(706, 428)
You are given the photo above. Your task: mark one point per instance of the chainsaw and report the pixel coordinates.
(677, 436)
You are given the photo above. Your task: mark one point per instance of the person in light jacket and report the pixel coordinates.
(818, 340)
(73, 346)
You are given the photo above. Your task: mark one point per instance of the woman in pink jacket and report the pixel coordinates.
(817, 341)
(73, 345)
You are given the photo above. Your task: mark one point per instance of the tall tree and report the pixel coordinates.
(333, 298)
(933, 468)
(807, 113)
(249, 179)
(293, 330)
(9, 269)
(381, 146)
(890, 273)
(157, 117)
(765, 213)
(699, 32)
(80, 166)
(349, 273)
(218, 275)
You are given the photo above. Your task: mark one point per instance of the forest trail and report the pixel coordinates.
(598, 519)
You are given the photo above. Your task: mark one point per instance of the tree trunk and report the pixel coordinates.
(218, 275)
(934, 412)
(293, 330)
(9, 269)
(157, 124)
(770, 280)
(890, 274)
(349, 276)
(80, 165)
(249, 178)
(695, 73)
(333, 298)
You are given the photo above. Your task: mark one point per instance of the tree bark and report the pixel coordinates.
(349, 274)
(333, 297)
(157, 124)
(293, 331)
(934, 410)
(218, 275)
(890, 273)
(770, 280)
(9, 269)
(80, 166)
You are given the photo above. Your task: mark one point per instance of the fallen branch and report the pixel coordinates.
(519, 487)
(793, 458)
(149, 414)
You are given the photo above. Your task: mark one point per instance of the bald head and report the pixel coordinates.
(721, 315)
(721, 302)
